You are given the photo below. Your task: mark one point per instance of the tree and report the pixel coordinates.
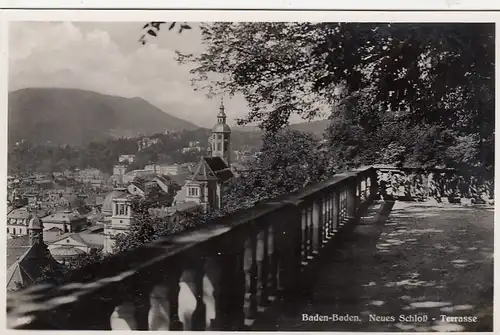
(288, 161)
(154, 27)
(434, 81)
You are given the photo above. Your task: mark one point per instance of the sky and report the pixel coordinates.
(106, 57)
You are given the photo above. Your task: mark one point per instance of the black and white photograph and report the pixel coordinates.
(314, 173)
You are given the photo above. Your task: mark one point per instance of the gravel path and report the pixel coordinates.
(406, 267)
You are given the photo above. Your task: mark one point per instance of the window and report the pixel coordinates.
(219, 147)
(121, 209)
(8, 230)
(193, 191)
(14, 231)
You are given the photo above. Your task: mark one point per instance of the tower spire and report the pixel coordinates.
(221, 117)
(221, 108)
(221, 133)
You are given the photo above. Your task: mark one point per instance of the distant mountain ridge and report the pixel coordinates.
(77, 117)
(317, 127)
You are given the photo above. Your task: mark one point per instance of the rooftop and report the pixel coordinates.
(62, 217)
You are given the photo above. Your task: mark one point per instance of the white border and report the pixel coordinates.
(262, 4)
(249, 16)
(196, 16)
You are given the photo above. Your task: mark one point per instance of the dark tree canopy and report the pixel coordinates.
(418, 89)
(288, 161)
(284, 68)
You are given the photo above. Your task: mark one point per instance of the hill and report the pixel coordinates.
(77, 117)
(315, 127)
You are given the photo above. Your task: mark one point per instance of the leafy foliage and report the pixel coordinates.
(437, 185)
(153, 28)
(418, 88)
(288, 161)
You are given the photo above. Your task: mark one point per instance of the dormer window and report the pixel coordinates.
(193, 191)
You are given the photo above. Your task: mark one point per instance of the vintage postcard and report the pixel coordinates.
(249, 171)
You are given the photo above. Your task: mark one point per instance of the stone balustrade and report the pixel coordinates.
(217, 277)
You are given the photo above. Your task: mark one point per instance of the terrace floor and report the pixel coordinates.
(409, 259)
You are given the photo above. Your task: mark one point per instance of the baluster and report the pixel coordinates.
(283, 240)
(263, 266)
(193, 277)
(224, 289)
(290, 252)
(351, 198)
(333, 222)
(374, 190)
(358, 189)
(310, 234)
(250, 268)
(94, 318)
(427, 185)
(337, 221)
(317, 224)
(212, 292)
(326, 227)
(342, 207)
(131, 314)
(123, 317)
(164, 301)
(366, 188)
(346, 203)
(329, 216)
(273, 262)
(362, 189)
(339, 201)
(305, 237)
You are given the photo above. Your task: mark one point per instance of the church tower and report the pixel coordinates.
(35, 230)
(221, 137)
(121, 217)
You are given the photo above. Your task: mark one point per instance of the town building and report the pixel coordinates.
(67, 221)
(167, 169)
(17, 221)
(127, 159)
(36, 259)
(70, 245)
(70, 202)
(130, 176)
(119, 169)
(146, 142)
(92, 176)
(68, 174)
(118, 216)
(204, 186)
(220, 140)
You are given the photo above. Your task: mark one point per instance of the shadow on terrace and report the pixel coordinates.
(348, 249)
